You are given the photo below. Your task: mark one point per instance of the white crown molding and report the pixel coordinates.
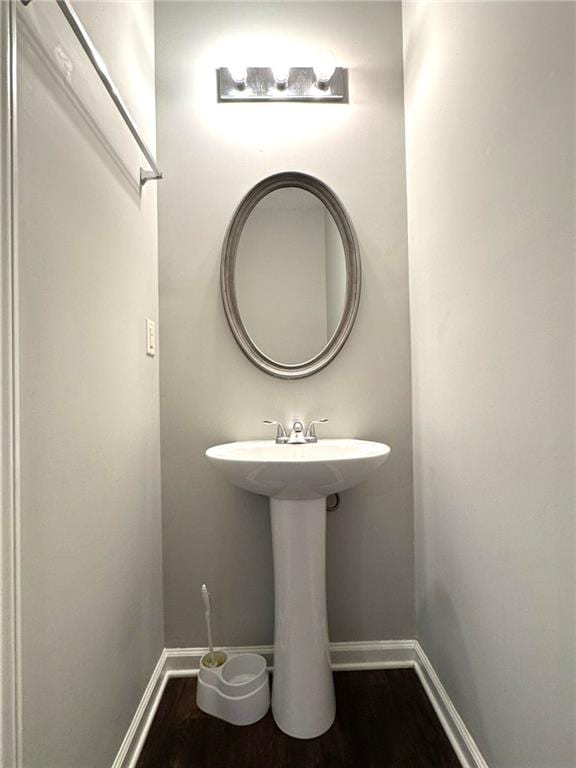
(376, 654)
(10, 677)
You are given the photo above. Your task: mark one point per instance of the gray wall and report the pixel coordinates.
(212, 154)
(490, 93)
(90, 488)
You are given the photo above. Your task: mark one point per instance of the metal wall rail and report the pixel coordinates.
(97, 61)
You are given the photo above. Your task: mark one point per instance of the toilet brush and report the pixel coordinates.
(211, 660)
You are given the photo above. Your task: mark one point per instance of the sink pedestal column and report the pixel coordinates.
(303, 701)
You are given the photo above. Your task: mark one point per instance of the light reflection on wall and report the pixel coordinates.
(423, 57)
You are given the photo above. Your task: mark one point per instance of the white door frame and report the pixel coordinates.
(10, 678)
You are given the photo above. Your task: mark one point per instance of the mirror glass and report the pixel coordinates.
(290, 275)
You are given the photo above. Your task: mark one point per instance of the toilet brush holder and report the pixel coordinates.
(237, 690)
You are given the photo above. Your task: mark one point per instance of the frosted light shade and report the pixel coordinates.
(280, 72)
(280, 63)
(324, 66)
(238, 73)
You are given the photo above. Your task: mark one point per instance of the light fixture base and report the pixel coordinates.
(301, 86)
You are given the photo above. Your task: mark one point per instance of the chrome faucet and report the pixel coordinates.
(310, 434)
(281, 436)
(298, 435)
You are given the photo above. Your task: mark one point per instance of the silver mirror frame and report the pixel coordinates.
(228, 280)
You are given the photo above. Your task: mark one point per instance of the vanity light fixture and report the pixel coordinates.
(322, 82)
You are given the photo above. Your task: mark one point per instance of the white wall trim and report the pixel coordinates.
(138, 729)
(460, 737)
(10, 664)
(374, 654)
(185, 662)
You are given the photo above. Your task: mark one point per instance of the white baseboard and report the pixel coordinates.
(459, 736)
(185, 662)
(138, 730)
(376, 654)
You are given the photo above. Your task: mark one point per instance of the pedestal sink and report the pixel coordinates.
(297, 478)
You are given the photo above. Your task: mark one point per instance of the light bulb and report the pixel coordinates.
(324, 68)
(239, 74)
(280, 73)
(280, 61)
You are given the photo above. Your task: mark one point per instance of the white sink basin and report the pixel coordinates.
(297, 472)
(297, 478)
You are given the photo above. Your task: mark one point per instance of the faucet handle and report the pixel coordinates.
(281, 436)
(310, 434)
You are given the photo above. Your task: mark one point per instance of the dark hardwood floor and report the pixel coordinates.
(384, 720)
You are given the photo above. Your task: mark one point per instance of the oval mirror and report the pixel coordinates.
(290, 275)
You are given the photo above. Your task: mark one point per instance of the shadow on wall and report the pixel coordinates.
(362, 532)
